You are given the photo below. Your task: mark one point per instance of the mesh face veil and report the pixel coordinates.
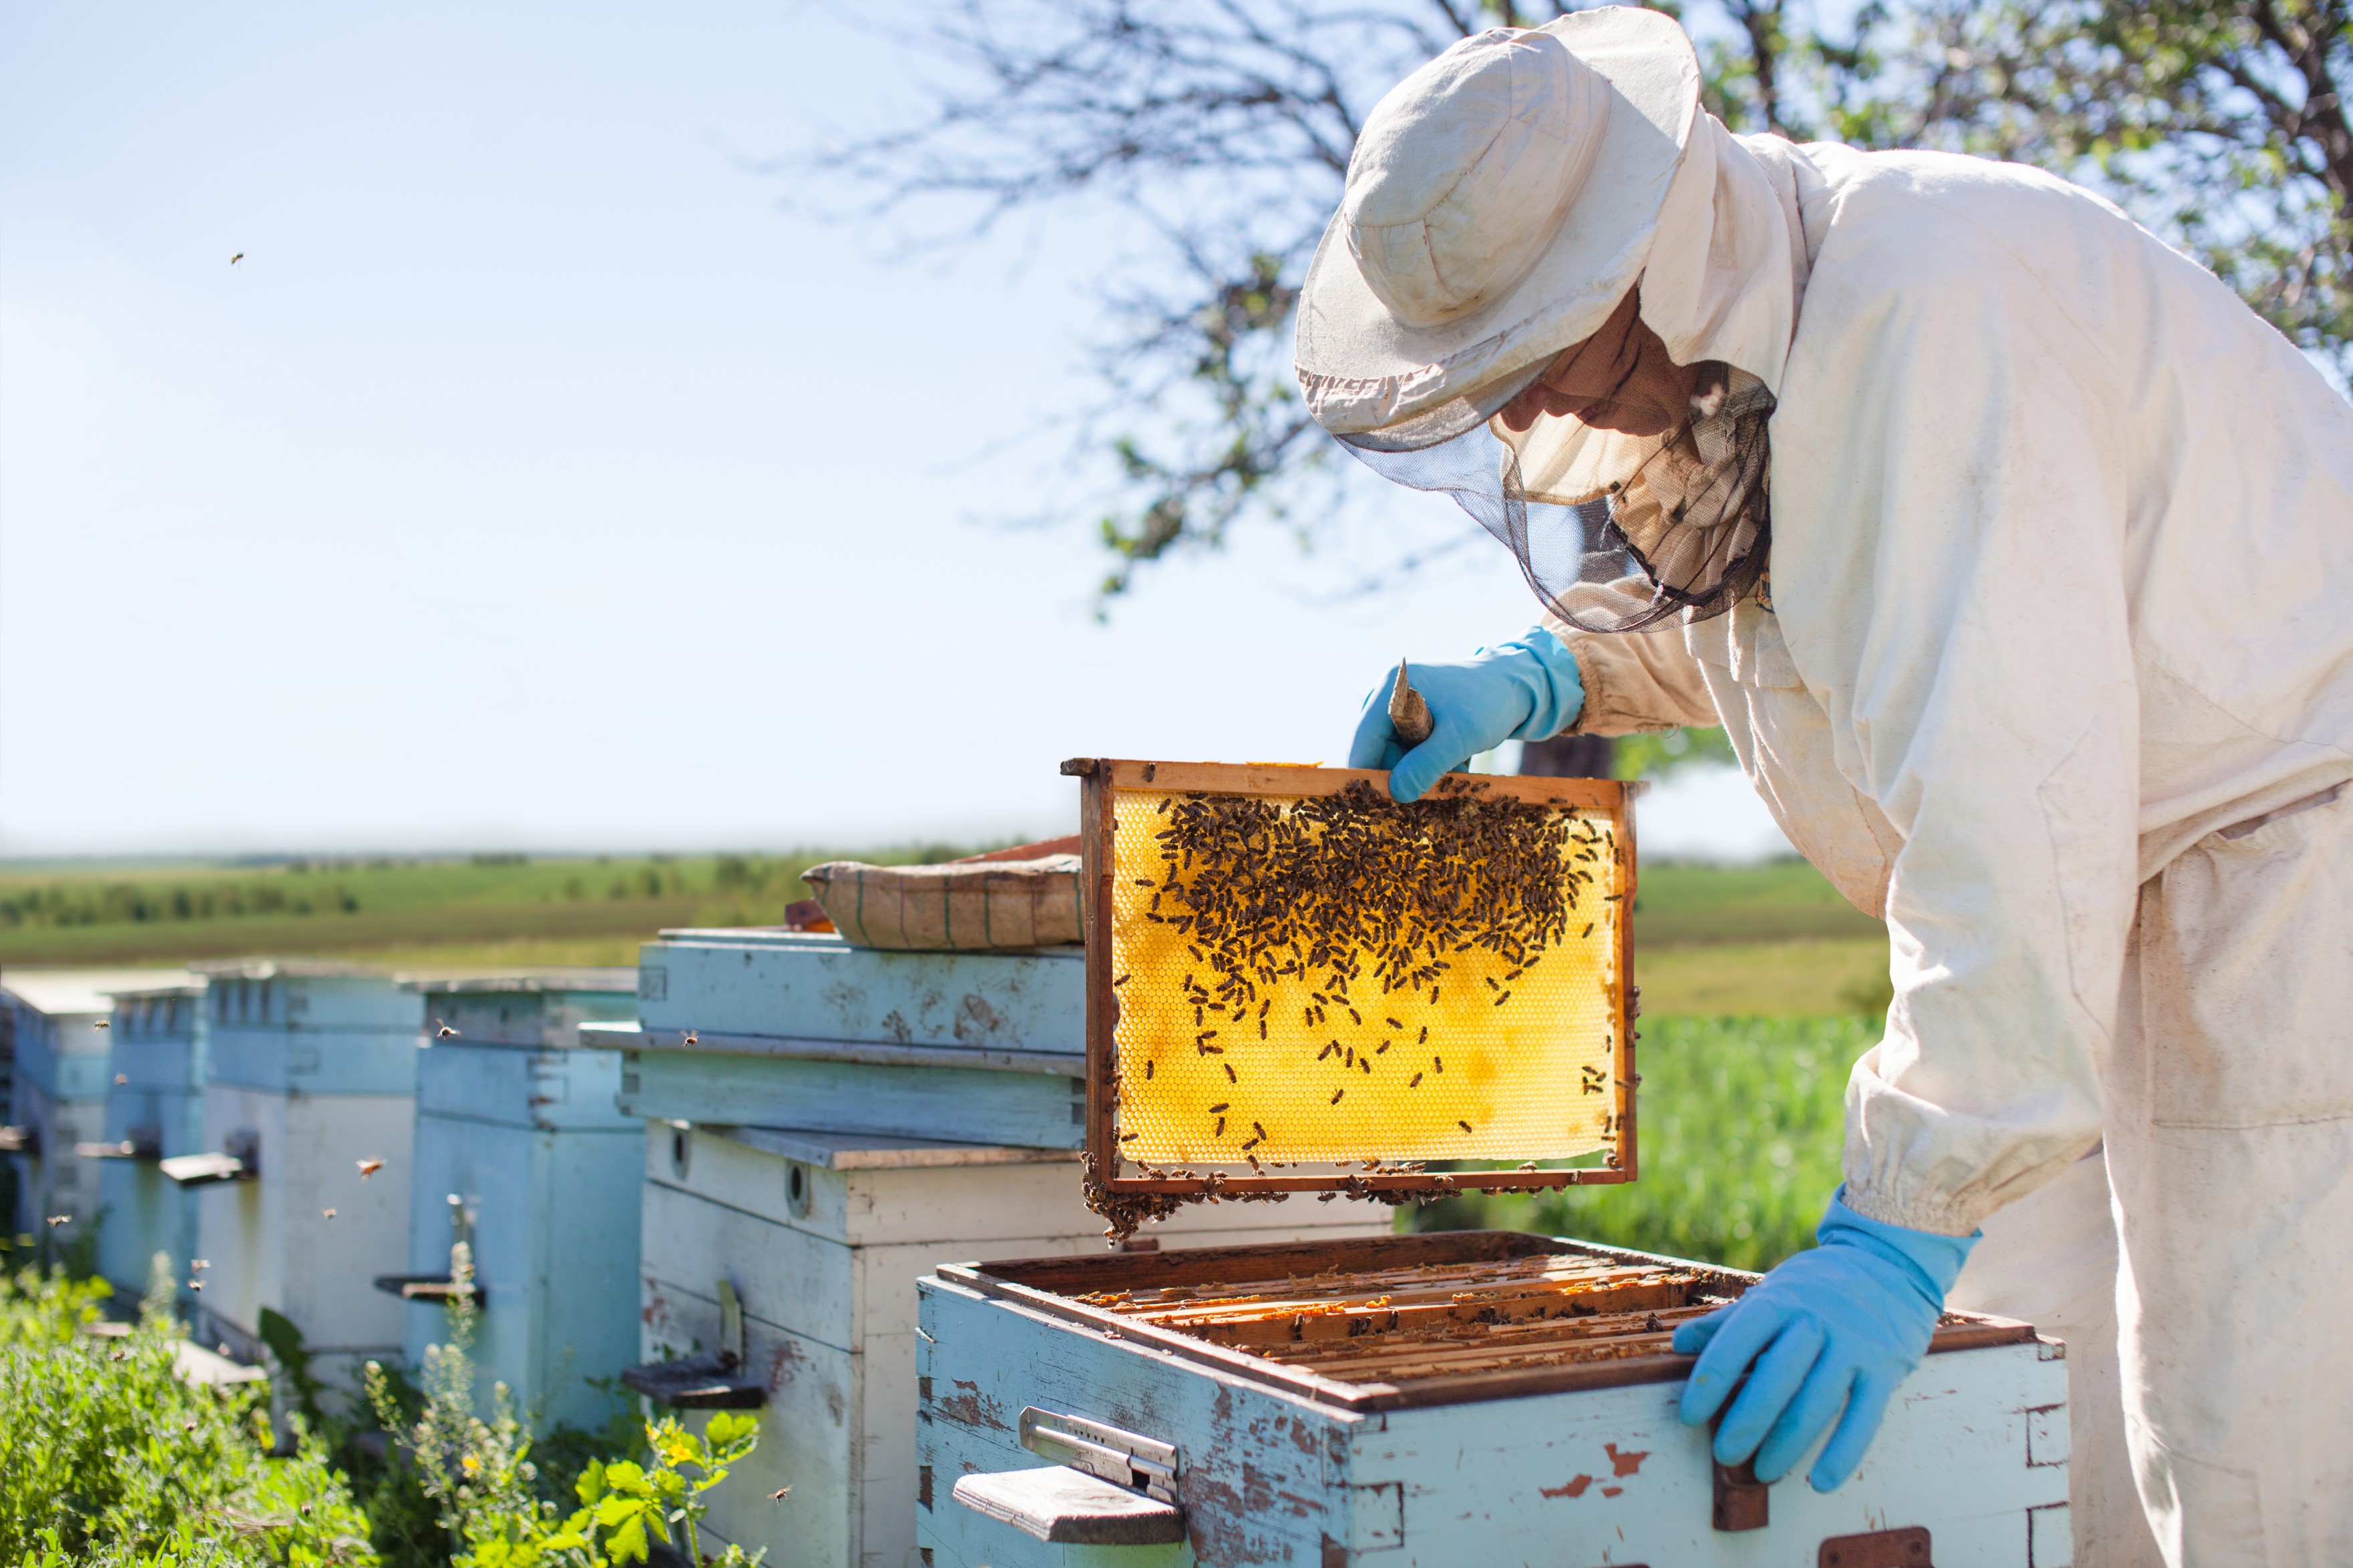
(1614, 531)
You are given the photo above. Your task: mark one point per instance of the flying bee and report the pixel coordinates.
(369, 1168)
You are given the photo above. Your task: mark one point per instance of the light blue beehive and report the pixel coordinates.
(155, 1111)
(800, 1030)
(1057, 1429)
(310, 1068)
(57, 1021)
(516, 1121)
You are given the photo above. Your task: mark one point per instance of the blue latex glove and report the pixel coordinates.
(1836, 1327)
(1524, 689)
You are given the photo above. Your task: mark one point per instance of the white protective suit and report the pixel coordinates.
(2058, 679)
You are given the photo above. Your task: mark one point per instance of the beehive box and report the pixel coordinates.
(521, 1151)
(155, 1111)
(979, 1048)
(821, 1238)
(310, 1068)
(1480, 1397)
(58, 1020)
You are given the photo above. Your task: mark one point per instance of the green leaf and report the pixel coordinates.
(728, 1425)
(591, 1484)
(629, 1543)
(614, 1510)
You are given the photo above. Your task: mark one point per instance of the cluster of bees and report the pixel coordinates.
(1268, 889)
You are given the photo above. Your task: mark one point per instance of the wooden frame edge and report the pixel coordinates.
(1097, 823)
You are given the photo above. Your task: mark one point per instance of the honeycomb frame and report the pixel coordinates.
(1127, 1189)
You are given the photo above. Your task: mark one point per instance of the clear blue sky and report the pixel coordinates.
(535, 480)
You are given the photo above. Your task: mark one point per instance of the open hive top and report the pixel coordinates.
(1391, 1321)
(1289, 970)
(1403, 1325)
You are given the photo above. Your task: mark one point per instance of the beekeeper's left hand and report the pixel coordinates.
(1836, 1328)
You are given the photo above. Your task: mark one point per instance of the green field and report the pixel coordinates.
(1773, 938)
(483, 909)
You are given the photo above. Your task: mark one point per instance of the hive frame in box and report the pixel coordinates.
(1102, 777)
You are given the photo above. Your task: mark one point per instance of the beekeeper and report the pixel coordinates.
(2042, 650)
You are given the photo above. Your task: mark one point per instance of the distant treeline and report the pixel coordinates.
(757, 885)
(118, 902)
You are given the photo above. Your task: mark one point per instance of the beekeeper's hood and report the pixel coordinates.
(1504, 201)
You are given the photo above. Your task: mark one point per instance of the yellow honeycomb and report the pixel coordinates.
(1232, 1041)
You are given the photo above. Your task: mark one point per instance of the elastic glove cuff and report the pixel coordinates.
(1552, 681)
(1929, 1261)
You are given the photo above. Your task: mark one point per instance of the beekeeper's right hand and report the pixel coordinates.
(1525, 690)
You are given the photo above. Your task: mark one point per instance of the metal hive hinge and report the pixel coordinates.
(1141, 1463)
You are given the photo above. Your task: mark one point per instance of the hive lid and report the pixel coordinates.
(1296, 984)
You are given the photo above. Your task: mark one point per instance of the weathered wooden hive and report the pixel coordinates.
(57, 1023)
(827, 1123)
(155, 1111)
(310, 1070)
(1474, 1398)
(521, 1151)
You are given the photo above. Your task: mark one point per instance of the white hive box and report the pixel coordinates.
(844, 1122)
(310, 1068)
(59, 1020)
(155, 1111)
(1212, 1408)
(521, 1148)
